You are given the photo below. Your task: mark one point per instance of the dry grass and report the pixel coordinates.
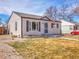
(47, 48)
(4, 36)
(72, 36)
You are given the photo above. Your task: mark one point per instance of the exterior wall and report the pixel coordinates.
(31, 32)
(54, 30)
(21, 26)
(11, 25)
(77, 27)
(66, 27)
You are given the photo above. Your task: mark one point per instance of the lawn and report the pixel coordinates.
(5, 36)
(72, 36)
(47, 48)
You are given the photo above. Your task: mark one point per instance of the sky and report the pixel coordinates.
(36, 7)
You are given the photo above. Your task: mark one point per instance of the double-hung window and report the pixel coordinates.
(57, 25)
(15, 26)
(52, 25)
(33, 25)
(27, 26)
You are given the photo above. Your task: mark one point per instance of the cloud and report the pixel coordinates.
(4, 0)
(4, 10)
(37, 7)
(28, 6)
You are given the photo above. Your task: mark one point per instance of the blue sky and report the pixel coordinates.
(37, 7)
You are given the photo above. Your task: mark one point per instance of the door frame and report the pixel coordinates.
(46, 27)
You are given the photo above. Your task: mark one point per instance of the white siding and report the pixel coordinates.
(11, 25)
(66, 27)
(54, 30)
(31, 32)
(21, 26)
(66, 23)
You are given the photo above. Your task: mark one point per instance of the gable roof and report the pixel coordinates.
(44, 17)
(24, 15)
(76, 23)
(73, 22)
(64, 22)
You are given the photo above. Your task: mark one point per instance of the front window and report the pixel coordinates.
(33, 26)
(75, 27)
(46, 25)
(57, 25)
(71, 28)
(52, 25)
(38, 26)
(27, 26)
(15, 26)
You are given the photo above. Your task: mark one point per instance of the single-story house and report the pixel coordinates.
(23, 25)
(67, 26)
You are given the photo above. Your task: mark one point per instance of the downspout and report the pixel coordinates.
(21, 27)
(60, 29)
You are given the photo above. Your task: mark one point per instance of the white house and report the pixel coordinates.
(23, 25)
(67, 26)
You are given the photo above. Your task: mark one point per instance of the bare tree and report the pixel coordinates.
(76, 10)
(67, 12)
(51, 12)
(63, 12)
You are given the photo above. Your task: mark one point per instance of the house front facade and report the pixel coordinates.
(23, 25)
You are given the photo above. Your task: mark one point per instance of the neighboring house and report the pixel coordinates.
(66, 27)
(23, 25)
(6, 29)
(2, 29)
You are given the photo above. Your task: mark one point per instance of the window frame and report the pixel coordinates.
(57, 25)
(52, 25)
(34, 26)
(27, 26)
(16, 26)
(71, 28)
(39, 26)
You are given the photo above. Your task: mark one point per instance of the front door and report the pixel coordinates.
(46, 28)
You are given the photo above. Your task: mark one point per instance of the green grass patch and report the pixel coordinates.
(47, 49)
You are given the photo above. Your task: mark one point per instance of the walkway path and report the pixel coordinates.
(7, 52)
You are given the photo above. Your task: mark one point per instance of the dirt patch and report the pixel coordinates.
(7, 52)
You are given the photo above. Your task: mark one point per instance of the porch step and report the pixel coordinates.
(52, 35)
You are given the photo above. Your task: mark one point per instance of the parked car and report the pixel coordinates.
(75, 32)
